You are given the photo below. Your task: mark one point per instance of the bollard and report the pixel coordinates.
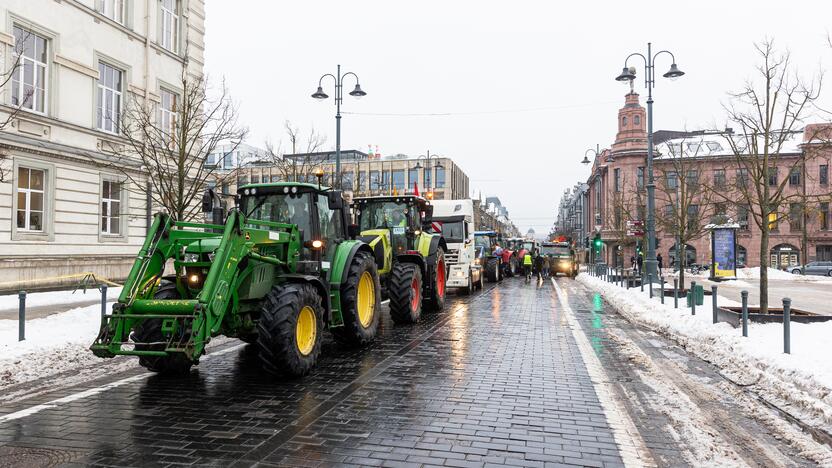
(787, 324)
(621, 277)
(103, 300)
(650, 284)
(744, 295)
(641, 285)
(21, 316)
(692, 297)
(661, 285)
(713, 299)
(675, 293)
(628, 279)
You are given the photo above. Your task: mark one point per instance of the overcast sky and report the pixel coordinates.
(529, 85)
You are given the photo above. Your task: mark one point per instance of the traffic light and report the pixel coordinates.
(596, 242)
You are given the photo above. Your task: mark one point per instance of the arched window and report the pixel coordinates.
(624, 121)
(637, 120)
(742, 256)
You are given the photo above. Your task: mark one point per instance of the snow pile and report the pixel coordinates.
(800, 382)
(774, 274)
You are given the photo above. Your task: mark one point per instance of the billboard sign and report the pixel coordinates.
(724, 253)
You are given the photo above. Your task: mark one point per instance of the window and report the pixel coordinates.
(385, 179)
(167, 112)
(440, 177)
(637, 120)
(242, 180)
(426, 173)
(668, 211)
(30, 202)
(111, 207)
(618, 217)
(692, 178)
(720, 212)
(398, 180)
(624, 121)
(617, 179)
(772, 222)
(375, 180)
(108, 110)
(742, 177)
(255, 179)
(30, 77)
(412, 177)
(170, 24)
(113, 9)
(794, 176)
(640, 177)
(361, 183)
(671, 180)
(823, 174)
(824, 216)
(742, 216)
(346, 180)
(693, 217)
(795, 217)
(226, 190)
(228, 160)
(772, 176)
(719, 178)
(742, 255)
(275, 178)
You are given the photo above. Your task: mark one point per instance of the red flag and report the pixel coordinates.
(416, 188)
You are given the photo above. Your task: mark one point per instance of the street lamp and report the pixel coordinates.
(339, 96)
(629, 74)
(595, 153)
(427, 158)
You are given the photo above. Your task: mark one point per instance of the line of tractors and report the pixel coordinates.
(288, 261)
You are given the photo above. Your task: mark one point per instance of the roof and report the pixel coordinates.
(718, 144)
(390, 197)
(285, 184)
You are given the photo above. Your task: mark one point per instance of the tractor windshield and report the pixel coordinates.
(483, 242)
(555, 250)
(528, 245)
(382, 214)
(287, 208)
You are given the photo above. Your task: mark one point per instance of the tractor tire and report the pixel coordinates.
(438, 290)
(492, 270)
(360, 303)
(289, 332)
(405, 293)
(150, 331)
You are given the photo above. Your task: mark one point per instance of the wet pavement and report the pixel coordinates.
(497, 379)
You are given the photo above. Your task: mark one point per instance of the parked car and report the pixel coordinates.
(813, 268)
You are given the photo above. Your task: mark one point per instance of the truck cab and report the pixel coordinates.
(561, 258)
(454, 220)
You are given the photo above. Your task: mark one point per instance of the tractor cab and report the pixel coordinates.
(403, 217)
(485, 242)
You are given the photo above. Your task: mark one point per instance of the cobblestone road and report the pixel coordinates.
(497, 379)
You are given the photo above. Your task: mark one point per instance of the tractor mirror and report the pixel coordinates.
(352, 231)
(336, 201)
(208, 201)
(428, 214)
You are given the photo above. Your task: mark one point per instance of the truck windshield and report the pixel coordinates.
(528, 245)
(382, 214)
(287, 208)
(555, 250)
(452, 231)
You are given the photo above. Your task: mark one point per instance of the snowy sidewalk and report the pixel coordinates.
(800, 383)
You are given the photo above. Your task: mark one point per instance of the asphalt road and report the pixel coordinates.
(519, 374)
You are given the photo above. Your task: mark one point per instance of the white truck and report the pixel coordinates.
(454, 219)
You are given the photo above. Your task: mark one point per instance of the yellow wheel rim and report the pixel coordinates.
(306, 330)
(365, 300)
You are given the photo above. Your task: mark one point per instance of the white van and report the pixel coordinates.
(454, 219)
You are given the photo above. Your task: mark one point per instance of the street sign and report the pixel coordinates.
(635, 228)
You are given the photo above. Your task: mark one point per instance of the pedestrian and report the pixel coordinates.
(633, 263)
(659, 262)
(527, 266)
(639, 263)
(538, 266)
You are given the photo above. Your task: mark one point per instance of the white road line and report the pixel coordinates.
(95, 391)
(633, 450)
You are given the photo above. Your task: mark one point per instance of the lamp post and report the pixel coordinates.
(339, 96)
(427, 158)
(595, 154)
(629, 74)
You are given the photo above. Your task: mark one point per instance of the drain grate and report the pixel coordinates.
(26, 457)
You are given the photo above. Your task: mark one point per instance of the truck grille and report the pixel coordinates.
(452, 257)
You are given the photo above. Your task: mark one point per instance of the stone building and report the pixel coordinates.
(616, 193)
(63, 209)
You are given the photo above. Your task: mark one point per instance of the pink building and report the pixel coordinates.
(617, 194)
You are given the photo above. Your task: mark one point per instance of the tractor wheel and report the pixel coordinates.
(289, 329)
(405, 293)
(150, 331)
(436, 300)
(492, 270)
(359, 302)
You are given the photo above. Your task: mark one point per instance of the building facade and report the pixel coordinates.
(64, 209)
(616, 193)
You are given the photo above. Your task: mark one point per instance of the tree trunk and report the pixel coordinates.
(764, 268)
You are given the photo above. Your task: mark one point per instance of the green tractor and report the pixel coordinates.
(411, 262)
(279, 269)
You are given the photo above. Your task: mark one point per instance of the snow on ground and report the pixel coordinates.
(56, 298)
(754, 273)
(800, 382)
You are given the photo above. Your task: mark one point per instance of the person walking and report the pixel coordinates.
(639, 263)
(527, 266)
(538, 266)
(659, 262)
(633, 264)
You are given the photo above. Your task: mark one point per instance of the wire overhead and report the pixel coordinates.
(486, 112)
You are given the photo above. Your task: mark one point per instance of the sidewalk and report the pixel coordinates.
(43, 304)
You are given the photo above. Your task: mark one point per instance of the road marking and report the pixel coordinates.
(95, 391)
(633, 450)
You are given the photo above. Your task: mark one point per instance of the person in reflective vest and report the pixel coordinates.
(527, 264)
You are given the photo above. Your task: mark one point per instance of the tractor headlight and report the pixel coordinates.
(191, 257)
(476, 261)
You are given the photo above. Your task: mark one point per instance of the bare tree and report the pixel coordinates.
(684, 207)
(12, 74)
(769, 113)
(170, 142)
(299, 168)
(626, 204)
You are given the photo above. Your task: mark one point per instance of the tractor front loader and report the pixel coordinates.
(279, 271)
